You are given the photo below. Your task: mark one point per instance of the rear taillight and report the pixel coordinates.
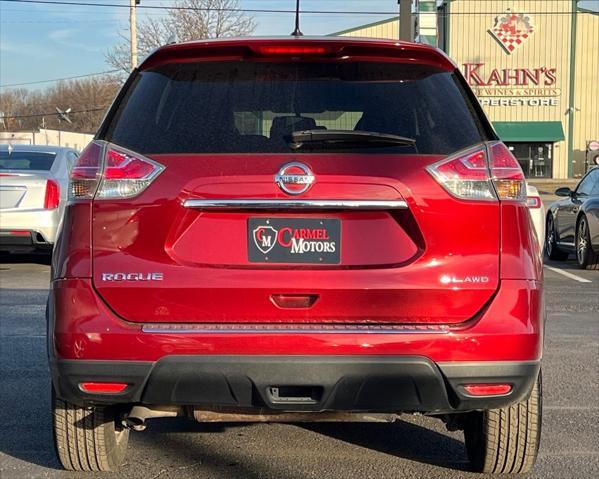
(85, 174)
(483, 173)
(466, 175)
(52, 197)
(507, 174)
(533, 202)
(105, 171)
(126, 174)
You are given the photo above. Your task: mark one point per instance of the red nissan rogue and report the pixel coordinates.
(296, 229)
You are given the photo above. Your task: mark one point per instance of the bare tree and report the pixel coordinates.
(200, 19)
(88, 99)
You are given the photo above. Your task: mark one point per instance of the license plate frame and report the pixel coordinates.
(293, 240)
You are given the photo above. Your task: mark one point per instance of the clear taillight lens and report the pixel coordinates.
(85, 174)
(105, 171)
(52, 197)
(483, 173)
(126, 174)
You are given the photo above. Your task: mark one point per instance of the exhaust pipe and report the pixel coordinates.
(137, 417)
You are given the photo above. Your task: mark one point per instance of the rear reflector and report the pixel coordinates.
(488, 389)
(52, 197)
(19, 233)
(103, 388)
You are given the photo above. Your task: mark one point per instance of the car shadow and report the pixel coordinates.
(36, 258)
(401, 439)
(567, 265)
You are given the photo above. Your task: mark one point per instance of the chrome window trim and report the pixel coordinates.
(235, 204)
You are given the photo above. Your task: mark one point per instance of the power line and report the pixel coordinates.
(255, 10)
(53, 113)
(58, 79)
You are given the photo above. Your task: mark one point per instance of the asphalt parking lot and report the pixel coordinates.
(416, 447)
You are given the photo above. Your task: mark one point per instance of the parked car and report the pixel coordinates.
(572, 224)
(296, 230)
(33, 193)
(537, 213)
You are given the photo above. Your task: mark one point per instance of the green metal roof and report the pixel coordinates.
(529, 130)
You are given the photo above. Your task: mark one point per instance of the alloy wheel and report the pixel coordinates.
(549, 237)
(581, 242)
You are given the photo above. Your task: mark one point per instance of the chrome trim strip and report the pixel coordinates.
(296, 204)
(158, 330)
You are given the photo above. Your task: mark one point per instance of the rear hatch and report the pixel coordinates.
(245, 221)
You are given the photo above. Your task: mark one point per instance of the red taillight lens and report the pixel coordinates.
(85, 174)
(465, 175)
(102, 388)
(126, 174)
(507, 174)
(52, 197)
(533, 202)
(488, 389)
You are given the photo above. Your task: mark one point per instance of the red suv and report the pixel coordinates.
(296, 229)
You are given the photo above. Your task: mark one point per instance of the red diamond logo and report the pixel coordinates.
(512, 30)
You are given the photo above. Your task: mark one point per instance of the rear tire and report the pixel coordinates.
(585, 257)
(87, 439)
(551, 248)
(505, 441)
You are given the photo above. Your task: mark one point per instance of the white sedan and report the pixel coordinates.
(537, 213)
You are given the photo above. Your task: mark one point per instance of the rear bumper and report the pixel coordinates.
(41, 225)
(23, 241)
(420, 368)
(299, 383)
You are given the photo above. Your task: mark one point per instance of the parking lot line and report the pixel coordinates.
(569, 275)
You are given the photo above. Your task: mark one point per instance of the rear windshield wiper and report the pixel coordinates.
(356, 138)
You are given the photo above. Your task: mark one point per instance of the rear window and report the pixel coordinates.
(252, 107)
(25, 160)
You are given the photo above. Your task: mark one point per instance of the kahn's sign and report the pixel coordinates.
(523, 86)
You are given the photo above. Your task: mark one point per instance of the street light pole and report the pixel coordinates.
(405, 20)
(133, 31)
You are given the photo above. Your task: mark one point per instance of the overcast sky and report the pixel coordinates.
(39, 42)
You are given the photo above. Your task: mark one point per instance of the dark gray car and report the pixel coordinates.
(572, 224)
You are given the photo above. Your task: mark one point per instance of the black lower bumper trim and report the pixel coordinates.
(298, 383)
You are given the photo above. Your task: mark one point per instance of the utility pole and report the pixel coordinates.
(406, 23)
(133, 30)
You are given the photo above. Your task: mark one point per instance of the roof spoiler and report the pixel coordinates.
(236, 49)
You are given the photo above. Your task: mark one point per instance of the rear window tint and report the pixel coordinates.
(252, 107)
(25, 160)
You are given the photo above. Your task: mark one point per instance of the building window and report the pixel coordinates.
(536, 159)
